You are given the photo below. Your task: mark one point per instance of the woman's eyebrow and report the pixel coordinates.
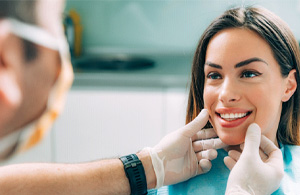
(248, 61)
(238, 65)
(208, 63)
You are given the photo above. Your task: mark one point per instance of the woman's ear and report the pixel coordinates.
(291, 86)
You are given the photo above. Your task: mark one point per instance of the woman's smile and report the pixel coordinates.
(232, 117)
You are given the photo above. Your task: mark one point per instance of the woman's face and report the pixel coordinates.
(243, 84)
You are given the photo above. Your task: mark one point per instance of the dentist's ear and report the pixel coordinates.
(10, 92)
(291, 86)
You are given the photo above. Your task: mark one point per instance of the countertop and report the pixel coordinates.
(168, 71)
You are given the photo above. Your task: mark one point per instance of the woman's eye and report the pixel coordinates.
(250, 74)
(214, 76)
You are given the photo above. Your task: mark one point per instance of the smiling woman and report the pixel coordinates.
(249, 49)
(245, 70)
(247, 62)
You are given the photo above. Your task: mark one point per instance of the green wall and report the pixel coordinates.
(161, 25)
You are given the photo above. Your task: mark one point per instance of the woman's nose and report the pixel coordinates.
(229, 92)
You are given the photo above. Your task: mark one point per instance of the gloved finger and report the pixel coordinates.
(235, 155)
(210, 154)
(272, 151)
(204, 134)
(208, 144)
(262, 155)
(242, 146)
(252, 141)
(204, 166)
(267, 145)
(229, 162)
(196, 125)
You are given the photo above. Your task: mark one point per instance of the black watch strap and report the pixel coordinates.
(135, 173)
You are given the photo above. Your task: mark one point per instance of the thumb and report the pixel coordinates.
(252, 140)
(197, 124)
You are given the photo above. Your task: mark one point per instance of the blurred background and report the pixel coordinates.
(132, 61)
(161, 26)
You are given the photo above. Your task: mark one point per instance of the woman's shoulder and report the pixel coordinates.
(290, 153)
(291, 179)
(287, 148)
(289, 145)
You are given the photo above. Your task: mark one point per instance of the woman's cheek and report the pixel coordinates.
(209, 112)
(207, 101)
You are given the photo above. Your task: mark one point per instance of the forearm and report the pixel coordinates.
(101, 177)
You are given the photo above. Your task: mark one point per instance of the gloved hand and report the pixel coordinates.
(180, 156)
(250, 174)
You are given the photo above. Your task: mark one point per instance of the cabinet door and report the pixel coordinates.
(175, 106)
(100, 124)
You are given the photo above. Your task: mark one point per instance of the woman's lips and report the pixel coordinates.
(232, 117)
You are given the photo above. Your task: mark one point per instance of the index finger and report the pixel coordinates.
(204, 134)
(269, 148)
(267, 145)
(215, 143)
(274, 153)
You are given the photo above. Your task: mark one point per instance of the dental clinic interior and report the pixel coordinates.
(132, 63)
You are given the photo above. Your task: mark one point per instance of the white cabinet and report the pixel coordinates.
(175, 104)
(104, 123)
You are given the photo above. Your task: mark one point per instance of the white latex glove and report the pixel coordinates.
(176, 158)
(251, 174)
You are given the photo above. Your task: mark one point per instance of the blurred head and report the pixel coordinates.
(245, 70)
(28, 70)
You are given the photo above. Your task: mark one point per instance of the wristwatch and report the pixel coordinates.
(135, 173)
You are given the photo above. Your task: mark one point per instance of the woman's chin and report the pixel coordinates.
(232, 140)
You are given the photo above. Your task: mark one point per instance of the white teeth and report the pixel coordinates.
(233, 115)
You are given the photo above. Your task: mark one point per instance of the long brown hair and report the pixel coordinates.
(285, 50)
